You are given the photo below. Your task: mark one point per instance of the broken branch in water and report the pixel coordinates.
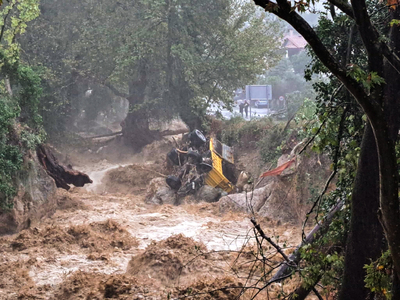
(261, 232)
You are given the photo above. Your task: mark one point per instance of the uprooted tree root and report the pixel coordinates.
(62, 175)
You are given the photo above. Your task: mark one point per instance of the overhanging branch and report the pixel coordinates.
(381, 46)
(370, 107)
(344, 7)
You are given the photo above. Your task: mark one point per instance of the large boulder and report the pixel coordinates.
(163, 196)
(271, 201)
(285, 197)
(155, 185)
(243, 179)
(208, 194)
(246, 201)
(35, 199)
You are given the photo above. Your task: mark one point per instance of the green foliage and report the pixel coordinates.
(10, 156)
(262, 133)
(368, 80)
(269, 145)
(30, 91)
(394, 22)
(327, 265)
(191, 55)
(16, 138)
(324, 259)
(306, 112)
(379, 276)
(14, 17)
(20, 91)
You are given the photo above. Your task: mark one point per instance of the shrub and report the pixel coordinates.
(10, 155)
(16, 138)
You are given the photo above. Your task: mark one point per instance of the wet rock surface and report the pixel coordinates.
(164, 195)
(208, 194)
(35, 199)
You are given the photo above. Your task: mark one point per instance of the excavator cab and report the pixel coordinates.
(216, 177)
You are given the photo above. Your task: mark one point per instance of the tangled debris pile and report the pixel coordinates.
(199, 166)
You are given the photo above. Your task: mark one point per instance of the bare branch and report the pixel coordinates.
(316, 232)
(344, 7)
(261, 232)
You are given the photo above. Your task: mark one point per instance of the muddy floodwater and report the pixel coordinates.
(102, 245)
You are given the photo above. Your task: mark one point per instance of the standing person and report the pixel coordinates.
(241, 106)
(246, 107)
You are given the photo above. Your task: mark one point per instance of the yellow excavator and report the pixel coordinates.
(216, 177)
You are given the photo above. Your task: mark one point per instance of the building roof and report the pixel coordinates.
(294, 42)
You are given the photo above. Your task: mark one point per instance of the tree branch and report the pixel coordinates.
(314, 234)
(115, 90)
(4, 24)
(370, 107)
(344, 7)
(381, 46)
(368, 32)
(279, 249)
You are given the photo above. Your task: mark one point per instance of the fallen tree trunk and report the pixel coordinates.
(105, 135)
(62, 175)
(173, 132)
(316, 232)
(161, 133)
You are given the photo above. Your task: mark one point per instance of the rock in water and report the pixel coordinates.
(155, 185)
(163, 196)
(208, 194)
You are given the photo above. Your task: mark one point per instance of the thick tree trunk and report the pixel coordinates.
(378, 113)
(191, 119)
(365, 240)
(135, 128)
(136, 132)
(390, 210)
(390, 204)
